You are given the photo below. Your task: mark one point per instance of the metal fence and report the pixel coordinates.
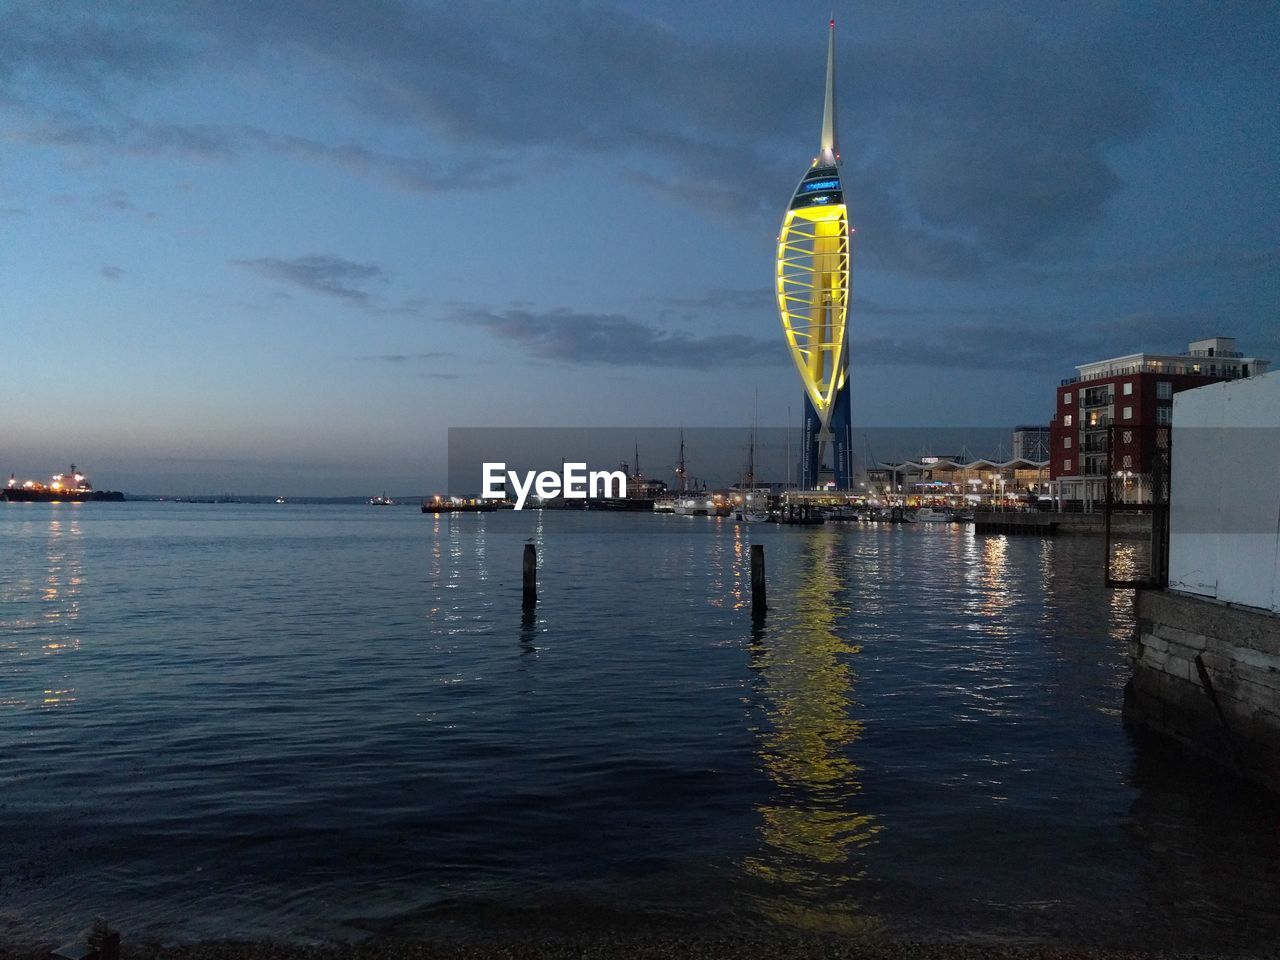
(1137, 485)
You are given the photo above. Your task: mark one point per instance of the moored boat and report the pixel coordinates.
(929, 515)
(443, 504)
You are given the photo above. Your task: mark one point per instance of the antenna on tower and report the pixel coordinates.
(829, 149)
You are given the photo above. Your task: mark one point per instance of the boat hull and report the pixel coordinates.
(487, 507)
(18, 495)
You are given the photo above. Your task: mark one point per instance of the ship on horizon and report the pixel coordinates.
(71, 487)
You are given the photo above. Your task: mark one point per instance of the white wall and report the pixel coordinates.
(1225, 492)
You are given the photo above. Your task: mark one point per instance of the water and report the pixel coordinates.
(318, 723)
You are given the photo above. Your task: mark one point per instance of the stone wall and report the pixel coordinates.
(1208, 674)
(1128, 526)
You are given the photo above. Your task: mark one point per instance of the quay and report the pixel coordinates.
(1035, 524)
(1047, 524)
(1205, 655)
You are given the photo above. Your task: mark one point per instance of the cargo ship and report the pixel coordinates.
(69, 487)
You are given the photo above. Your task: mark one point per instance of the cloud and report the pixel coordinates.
(957, 337)
(1032, 341)
(723, 298)
(593, 339)
(116, 200)
(1241, 261)
(110, 272)
(320, 273)
(407, 357)
(214, 142)
(974, 136)
(764, 299)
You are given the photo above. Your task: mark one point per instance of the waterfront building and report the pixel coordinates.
(1134, 393)
(812, 285)
(956, 481)
(1031, 443)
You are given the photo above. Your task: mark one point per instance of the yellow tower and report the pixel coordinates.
(812, 283)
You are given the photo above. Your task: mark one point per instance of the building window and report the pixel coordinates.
(1164, 390)
(1127, 414)
(1066, 442)
(1128, 389)
(1066, 466)
(1066, 399)
(1164, 416)
(1066, 421)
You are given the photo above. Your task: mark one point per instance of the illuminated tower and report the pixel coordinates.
(813, 298)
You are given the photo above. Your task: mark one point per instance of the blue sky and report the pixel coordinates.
(282, 247)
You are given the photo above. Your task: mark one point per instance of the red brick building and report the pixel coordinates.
(1136, 394)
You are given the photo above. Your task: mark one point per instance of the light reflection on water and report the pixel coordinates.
(811, 827)
(311, 722)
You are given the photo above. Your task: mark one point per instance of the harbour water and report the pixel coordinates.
(313, 723)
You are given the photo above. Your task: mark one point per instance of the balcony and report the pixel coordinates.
(1096, 398)
(1098, 421)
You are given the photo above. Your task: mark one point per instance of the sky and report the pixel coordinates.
(282, 247)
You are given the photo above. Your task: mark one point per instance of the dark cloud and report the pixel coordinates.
(71, 129)
(116, 200)
(955, 337)
(723, 298)
(407, 357)
(320, 273)
(226, 142)
(82, 53)
(973, 138)
(765, 300)
(1032, 341)
(593, 339)
(110, 272)
(1251, 260)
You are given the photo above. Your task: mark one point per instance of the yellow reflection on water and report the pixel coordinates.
(64, 576)
(1129, 561)
(811, 828)
(54, 698)
(994, 572)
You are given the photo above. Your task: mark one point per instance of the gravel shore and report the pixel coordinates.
(620, 949)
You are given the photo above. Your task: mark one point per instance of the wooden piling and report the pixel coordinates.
(530, 575)
(758, 603)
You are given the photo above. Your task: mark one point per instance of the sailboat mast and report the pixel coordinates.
(680, 464)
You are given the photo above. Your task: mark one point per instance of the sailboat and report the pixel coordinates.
(672, 503)
(753, 505)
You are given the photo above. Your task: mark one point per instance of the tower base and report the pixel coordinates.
(834, 448)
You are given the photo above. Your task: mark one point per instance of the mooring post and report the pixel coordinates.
(758, 604)
(530, 575)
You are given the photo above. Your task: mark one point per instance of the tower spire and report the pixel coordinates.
(829, 153)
